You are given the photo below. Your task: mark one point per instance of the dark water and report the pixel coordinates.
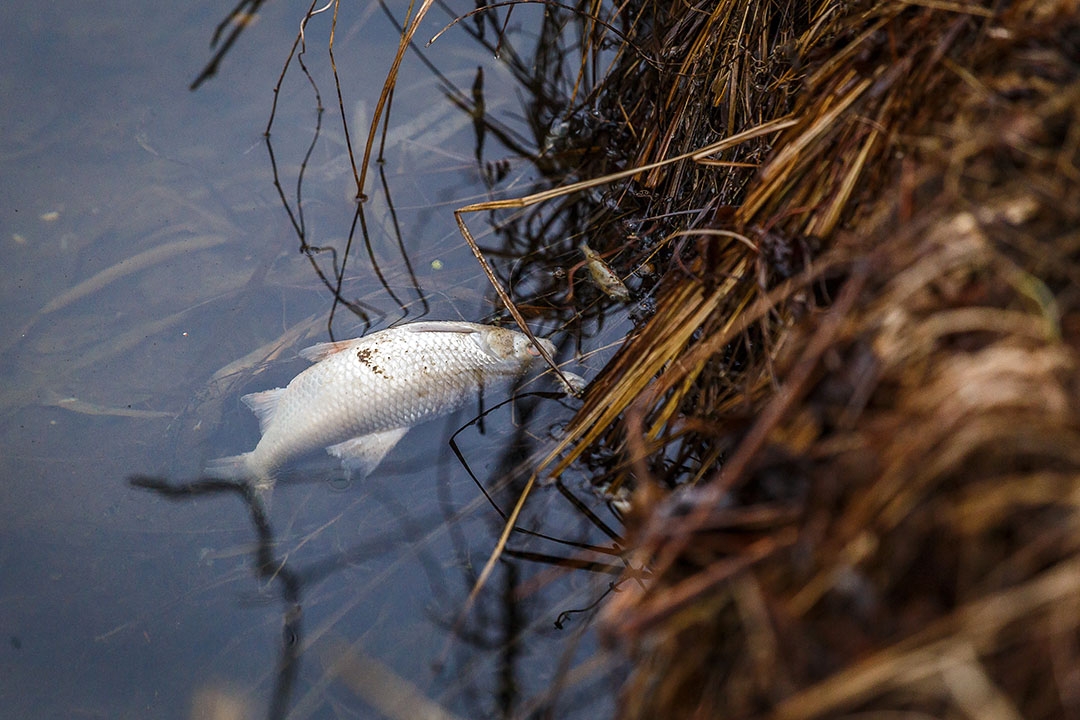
(119, 601)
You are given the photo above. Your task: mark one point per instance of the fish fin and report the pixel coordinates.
(451, 326)
(234, 467)
(263, 404)
(321, 351)
(363, 454)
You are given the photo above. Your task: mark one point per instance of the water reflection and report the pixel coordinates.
(152, 277)
(269, 569)
(309, 565)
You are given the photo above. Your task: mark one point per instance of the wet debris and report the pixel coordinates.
(603, 276)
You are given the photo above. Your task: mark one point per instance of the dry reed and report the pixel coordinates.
(852, 427)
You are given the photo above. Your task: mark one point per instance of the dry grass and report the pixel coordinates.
(853, 424)
(851, 427)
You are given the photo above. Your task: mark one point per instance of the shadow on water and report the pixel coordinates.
(267, 566)
(499, 628)
(163, 266)
(538, 255)
(537, 251)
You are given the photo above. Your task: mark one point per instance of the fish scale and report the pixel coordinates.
(361, 396)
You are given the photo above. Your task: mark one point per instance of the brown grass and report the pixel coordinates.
(852, 426)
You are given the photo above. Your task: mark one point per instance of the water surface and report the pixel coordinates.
(158, 205)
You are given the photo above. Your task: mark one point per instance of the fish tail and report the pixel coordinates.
(234, 467)
(239, 467)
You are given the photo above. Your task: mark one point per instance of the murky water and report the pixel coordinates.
(146, 250)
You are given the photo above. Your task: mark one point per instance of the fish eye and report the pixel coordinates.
(533, 350)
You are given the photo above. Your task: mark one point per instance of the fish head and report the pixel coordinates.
(514, 346)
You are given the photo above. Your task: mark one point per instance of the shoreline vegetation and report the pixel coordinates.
(847, 423)
(851, 430)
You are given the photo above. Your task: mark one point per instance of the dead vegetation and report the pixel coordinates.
(852, 426)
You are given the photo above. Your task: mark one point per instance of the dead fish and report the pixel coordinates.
(362, 395)
(602, 274)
